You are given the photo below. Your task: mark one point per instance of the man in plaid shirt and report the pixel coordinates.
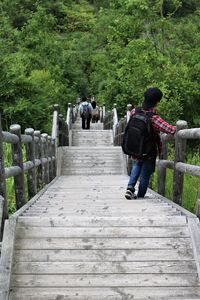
(144, 168)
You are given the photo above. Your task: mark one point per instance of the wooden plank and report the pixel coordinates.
(113, 293)
(103, 243)
(152, 267)
(83, 212)
(113, 179)
(101, 221)
(103, 255)
(7, 257)
(104, 280)
(104, 208)
(194, 228)
(98, 203)
(181, 209)
(29, 203)
(110, 198)
(1, 214)
(117, 232)
(91, 171)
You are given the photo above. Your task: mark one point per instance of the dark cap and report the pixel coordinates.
(151, 97)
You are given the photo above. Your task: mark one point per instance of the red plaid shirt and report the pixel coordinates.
(159, 125)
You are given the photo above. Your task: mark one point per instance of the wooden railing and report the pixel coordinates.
(40, 155)
(178, 165)
(110, 119)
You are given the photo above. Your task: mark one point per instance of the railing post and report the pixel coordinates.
(3, 179)
(180, 147)
(66, 135)
(61, 130)
(17, 158)
(45, 174)
(55, 124)
(50, 158)
(198, 201)
(30, 156)
(53, 145)
(37, 134)
(161, 179)
(115, 119)
(103, 112)
(128, 112)
(69, 116)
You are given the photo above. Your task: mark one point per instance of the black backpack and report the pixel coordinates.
(139, 137)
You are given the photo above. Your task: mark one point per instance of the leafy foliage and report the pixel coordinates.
(56, 51)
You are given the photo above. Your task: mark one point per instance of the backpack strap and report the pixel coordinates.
(139, 110)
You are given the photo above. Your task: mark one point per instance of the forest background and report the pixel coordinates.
(57, 51)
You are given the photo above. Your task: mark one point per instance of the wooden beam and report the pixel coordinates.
(194, 228)
(7, 257)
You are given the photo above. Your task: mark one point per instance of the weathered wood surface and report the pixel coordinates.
(6, 260)
(192, 133)
(187, 168)
(119, 267)
(1, 214)
(118, 249)
(81, 239)
(93, 160)
(17, 159)
(101, 221)
(113, 293)
(180, 147)
(2, 181)
(103, 255)
(104, 280)
(129, 232)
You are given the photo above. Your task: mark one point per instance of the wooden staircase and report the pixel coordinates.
(81, 239)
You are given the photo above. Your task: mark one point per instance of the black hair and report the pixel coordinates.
(84, 98)
(151, 97)
(94, 104)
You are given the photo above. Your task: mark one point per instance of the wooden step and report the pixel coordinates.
(103, 255)
(111, 293)
(102, 243)
(103, 221)
(104, 280)
(98, 232)
(115, 267)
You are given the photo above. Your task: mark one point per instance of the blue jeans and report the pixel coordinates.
(142, 169)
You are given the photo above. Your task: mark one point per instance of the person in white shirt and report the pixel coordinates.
(85, 113)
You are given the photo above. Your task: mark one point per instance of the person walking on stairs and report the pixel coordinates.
(95, 112)
(85, 113)
(144, 167)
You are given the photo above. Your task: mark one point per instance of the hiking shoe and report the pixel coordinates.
(130, 195)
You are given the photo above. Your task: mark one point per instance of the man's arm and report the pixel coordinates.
(80, 109)
(162, 125)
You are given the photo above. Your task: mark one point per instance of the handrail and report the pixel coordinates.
(41, 157)
(110, 119)
(1, 215)
(40, 154)
(178, 165)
